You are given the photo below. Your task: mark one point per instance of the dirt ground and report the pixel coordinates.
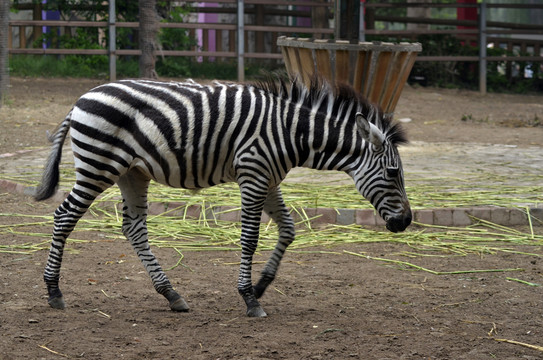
(321, 306)
(438, 115)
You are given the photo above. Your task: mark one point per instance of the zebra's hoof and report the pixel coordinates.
(57, 303)
(256, 311)
(179, 305)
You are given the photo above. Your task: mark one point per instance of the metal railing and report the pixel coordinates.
(482, 33)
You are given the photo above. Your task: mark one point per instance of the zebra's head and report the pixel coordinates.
(379, 176)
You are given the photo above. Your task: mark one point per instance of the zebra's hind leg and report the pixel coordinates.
(66, 217)
(134, 187)
(276, 209)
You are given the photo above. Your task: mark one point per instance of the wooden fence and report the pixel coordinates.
(252, 37)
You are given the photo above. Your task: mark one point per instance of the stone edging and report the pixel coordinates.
(440, 216)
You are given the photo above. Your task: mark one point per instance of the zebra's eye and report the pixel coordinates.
(392, 172)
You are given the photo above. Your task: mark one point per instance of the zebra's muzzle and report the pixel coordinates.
(400, 222)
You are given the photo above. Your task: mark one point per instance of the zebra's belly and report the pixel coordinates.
(185, 172)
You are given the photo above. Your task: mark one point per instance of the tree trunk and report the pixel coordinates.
(148, 31)
(320, 16)
(4, 72)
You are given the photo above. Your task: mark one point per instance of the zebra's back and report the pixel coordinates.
(180, 134)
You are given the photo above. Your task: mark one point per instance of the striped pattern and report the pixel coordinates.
(193, 136)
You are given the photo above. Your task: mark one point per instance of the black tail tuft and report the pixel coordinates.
(51, 174)
(50, 178)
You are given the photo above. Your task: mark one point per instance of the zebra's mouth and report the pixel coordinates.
(398, 223)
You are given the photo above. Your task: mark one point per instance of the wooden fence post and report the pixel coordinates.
(112, 42)
(241, 41)
(361, 24)
(4, 71)
(348, 20)
(482, 47)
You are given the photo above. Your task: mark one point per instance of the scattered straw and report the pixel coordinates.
(420, 268)
(53, 351)
(534, 347)
(530, 220)
(183, 234)
(101, 313)
(522, 281)
(175, 230)
(481, 188)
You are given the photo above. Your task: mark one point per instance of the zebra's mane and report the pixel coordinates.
(335, 100)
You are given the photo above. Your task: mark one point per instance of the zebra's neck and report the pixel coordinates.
(325, 141)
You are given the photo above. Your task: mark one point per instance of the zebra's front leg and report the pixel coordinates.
(275, 207)
(134, 187)
(252, 203)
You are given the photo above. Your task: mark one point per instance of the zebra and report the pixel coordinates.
(192, 136)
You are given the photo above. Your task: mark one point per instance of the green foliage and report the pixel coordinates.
(54, 66)
(444, 74)
(174, 39)
(126, 38)
(127, 67)
(173, 67)
(85, 65)
(215, 70)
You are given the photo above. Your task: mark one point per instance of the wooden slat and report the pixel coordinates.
(362, 64)
(307, 66)
(36, 15)
(408, 65)
(294, 61)
(379, 77)
(56, 23)
(205, 40)
(22, 37)
(218, 40)
(288, 61)
(263, 56)
(342, 63)
(395, 74)
(231, 40)
(368, 83)
(40, 51)
(322, 60)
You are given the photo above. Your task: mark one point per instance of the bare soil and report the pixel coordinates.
(438, 115)
(321, 306)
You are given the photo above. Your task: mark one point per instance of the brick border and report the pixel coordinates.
(440, 216)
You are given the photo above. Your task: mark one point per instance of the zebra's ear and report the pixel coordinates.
(369, 131)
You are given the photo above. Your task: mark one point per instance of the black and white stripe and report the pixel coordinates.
(193, 136)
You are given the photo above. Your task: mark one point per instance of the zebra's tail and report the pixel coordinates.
(50, 177)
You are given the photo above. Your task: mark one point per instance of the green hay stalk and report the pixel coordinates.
(475, 189)
(207, 233)
(522, 281)
(416, 267)
(530, 221)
